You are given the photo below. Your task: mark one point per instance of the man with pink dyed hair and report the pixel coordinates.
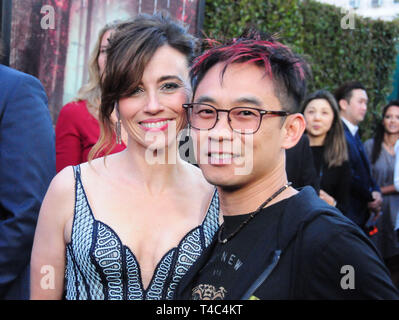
(276, 242)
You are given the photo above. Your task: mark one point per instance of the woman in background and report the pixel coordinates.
(78, 129)
(380, 150)
(328, 144)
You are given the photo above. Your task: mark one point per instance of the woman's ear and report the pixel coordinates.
(294, 127)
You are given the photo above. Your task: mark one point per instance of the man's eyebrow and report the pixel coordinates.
(249, 100)
(243, 101)
(205, 99)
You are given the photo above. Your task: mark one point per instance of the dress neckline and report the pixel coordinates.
(126, 247)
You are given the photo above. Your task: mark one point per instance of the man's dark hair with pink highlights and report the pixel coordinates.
(288, 70)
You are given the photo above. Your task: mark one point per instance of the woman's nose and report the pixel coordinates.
(153, 104)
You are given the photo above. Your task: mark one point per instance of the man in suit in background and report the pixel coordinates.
(27, 165)
(365, 194)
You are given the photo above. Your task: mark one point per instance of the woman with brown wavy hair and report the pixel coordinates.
(132, 223)
(328, 144)
(78, 129)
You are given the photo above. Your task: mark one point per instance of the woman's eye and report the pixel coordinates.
(137, 91)
(170, 86)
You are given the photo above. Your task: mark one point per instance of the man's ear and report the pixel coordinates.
(343, 104)
(294, 126)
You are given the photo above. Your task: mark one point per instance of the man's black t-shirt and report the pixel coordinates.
(218, 278)
(321, 255)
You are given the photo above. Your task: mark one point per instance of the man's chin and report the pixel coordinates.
(225, 184)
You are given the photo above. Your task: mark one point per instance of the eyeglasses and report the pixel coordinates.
(245, 120)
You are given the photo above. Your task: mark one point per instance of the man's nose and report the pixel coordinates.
(221, 130)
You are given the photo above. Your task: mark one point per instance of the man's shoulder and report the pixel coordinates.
(18, 85)
(13, 75)
(312, 218)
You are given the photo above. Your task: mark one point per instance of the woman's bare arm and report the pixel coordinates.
(48, 253)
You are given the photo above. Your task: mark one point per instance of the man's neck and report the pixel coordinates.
(352, 127)
(248, 198)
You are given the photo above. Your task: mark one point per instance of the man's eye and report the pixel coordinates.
(246, 113)
(205, 111)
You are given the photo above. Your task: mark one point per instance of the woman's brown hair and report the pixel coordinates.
(131, 47)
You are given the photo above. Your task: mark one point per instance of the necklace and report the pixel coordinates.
(253, 214)
(389, 147)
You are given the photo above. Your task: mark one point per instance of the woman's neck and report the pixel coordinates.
(154, 171)
(390, 139)
(316, 141)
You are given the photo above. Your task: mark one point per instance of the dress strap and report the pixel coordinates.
(211, 221)
(76, 171)
(82, 212)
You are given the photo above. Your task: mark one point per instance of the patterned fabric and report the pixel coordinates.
(100, 267)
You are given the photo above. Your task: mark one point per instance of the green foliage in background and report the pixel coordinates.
(322, 33)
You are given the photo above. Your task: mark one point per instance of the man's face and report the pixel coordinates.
(355, 110)
(227, 158)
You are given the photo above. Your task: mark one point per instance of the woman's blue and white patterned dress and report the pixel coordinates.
(100, 267)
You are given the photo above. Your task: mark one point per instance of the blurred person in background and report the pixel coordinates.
(365, 194)
(328, 144)
(300, 166)
(380, 150)
(27, 165)
(78, 128)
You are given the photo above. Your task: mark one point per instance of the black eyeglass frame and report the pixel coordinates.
(262, 112)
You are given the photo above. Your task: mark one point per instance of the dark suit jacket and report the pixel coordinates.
(362, 182)
(27, 164)
(300, 167)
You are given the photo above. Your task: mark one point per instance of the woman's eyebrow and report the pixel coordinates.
(170, 77)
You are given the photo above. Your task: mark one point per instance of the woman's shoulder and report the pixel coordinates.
(59, 199)
(63, 182)
(73, 108)
(368, 146)
(369, 142)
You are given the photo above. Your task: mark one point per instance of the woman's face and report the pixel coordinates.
(319, 117)
(153, 114)
(102, 56)
(391, 120)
